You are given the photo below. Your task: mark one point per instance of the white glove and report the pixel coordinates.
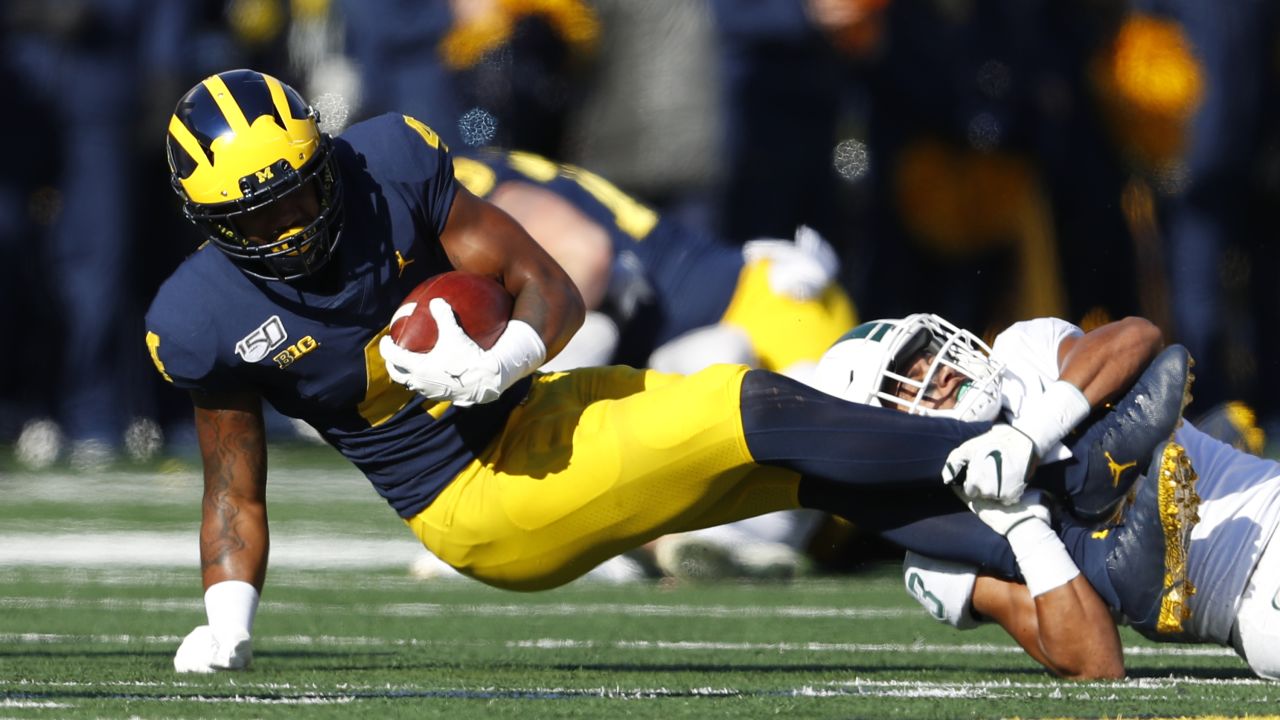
(204, 651)
(459, 370)
(1041, 556)
(1001, 517)
(995, 465)
(223, 644)
(799, 269)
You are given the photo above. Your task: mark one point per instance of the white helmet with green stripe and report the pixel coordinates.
(868, 363)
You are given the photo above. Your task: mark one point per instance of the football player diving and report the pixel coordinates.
(519, 479)
(1192, 559)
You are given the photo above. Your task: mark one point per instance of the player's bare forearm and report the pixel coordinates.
(481, 238)
(1068, 629)
(1105, 362)
(233, 529)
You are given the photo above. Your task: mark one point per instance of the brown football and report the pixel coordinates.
(481, 305)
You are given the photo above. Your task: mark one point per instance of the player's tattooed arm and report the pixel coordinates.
(1068, 629)
(1104, 362)
(233, 529)
(483, 239)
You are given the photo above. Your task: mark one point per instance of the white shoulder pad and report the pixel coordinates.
(945, 589)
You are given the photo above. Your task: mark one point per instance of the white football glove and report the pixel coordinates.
(204, 651)
(1001, 517)
(995, 465)
(799, 269)
(459, 370)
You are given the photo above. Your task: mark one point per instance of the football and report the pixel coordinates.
(481, 305)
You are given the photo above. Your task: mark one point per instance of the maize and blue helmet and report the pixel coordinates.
(237, 142)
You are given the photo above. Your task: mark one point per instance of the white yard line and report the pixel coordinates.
(173, 549)
(532, 609)
(654, 645)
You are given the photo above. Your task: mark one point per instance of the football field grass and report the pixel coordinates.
(99, 582)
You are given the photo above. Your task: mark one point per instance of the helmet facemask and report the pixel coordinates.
(292, 256)
(871, 365)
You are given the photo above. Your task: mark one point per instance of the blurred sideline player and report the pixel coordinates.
(663, 295)
(658, 285)
(522, 480)
(1198, 535)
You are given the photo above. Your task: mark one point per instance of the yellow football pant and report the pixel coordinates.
(598, 461)
(785, 331)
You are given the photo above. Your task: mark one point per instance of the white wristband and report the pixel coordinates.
(1048, 418)
(519, 351)
(231, 604)
(1042, 558)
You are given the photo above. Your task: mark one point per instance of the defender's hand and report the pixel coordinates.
(1003, 518)
(457, 369)
(994, 465)
(204, 651)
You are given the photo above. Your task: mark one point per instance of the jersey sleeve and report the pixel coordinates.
(182, 349)
(1034, 344)
(430, 168)
(944, 589)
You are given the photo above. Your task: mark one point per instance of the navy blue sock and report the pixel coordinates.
(930, 522)
(788, 424)
(1089, 549)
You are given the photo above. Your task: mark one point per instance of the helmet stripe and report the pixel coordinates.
(227, 104)
(279, 100)
(188, 142)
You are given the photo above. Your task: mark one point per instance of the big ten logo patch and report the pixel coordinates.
(294, 352)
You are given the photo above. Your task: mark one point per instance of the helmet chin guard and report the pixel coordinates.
(869, 365)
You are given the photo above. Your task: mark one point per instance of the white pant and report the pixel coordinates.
(1256, 635)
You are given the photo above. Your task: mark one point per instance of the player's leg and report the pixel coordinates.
(1256, 635)
(790, 425)
(597, 462)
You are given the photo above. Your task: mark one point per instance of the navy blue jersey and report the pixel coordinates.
(313, 352)
(692, 275)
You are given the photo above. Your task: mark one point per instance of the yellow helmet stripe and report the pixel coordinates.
(227, 104)
(277, 97)
(188, 141)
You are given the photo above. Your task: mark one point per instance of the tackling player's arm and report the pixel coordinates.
(481, 238)
(1068, 629)
(1104, 362)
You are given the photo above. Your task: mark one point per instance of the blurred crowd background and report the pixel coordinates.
(989, 160)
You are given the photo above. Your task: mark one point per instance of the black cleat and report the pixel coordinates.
(1148, 565)
(1111, 451)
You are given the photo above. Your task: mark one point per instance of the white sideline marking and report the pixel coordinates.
(573, 644)
(154, 549)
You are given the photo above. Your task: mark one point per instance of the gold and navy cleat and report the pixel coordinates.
(1113, 450)
(1148, 565)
